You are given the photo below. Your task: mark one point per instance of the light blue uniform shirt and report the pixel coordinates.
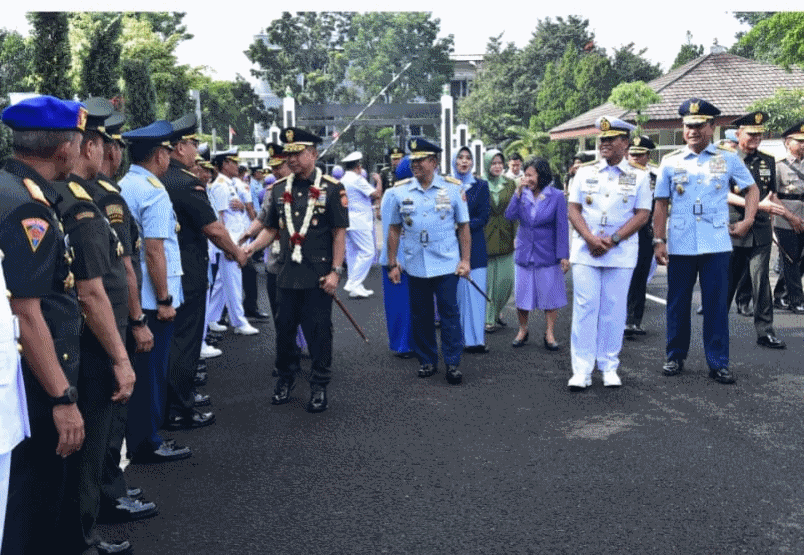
(698, 188)
(428, 217)
(152, 210)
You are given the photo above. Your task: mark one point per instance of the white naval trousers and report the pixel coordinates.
(599, 310)
(359, 256)
(227, 290)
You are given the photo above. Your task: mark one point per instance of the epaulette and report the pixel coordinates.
(653, 165)
(768, 154)
(108, 186)
(188, 172)
(155, 182)
(330, 179)
(726, 148)
(35, 191)
(278, 181)
(589, 163)
(637, 166)
(78, 191)
(403, 182)
(450, 179)
(668, 155)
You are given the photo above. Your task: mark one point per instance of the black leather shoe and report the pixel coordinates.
(282, 390)
(770, 341)
(745, 310)
(257, 315)
(520, 342)
(699, 310)
(638, 330)
(190, 421)
(214, 336)
(629, 330)
(128, 510)
(134, 493)
(201, 365)
(798, 309)
(213, 341)
(673, 367)
(722, 375)
(551, 346)
(781, 304)
(476, 349)
(201, 400)
(167, 452)
(200, 379)
(405, 355)
(118, 547)
(427, 370)
(454, 376)
(318, 399)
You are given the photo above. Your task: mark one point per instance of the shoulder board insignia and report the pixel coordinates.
(403, 182)
(331, 179)
(85, 215)
(108, 186)
(200, 188)
(35, 229)
(156, 183)
(188, 172)
(450, 179)
(589, 163)
(726, 148)
(768, 154)
(277, 182)
(653, 165)
(78, 191)
(635, 165)
(35, 192)
(115, 213)
(674, 153)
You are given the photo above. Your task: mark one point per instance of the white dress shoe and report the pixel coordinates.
(611, 379)
(246, 329)
(579, 381)
(208, 351)
(361, 292)
(215, 326)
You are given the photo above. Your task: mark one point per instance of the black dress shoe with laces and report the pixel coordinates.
(118, 547)
(427, 370)
(128, 510)
(798, 309)
(200, 379)
(167, 452)
(190, 421)
(638, 330)
(476, 349)
(318, 399)
(781, 304)
(744, 310)
(770, 341)
(673, 367)
(256, 315)
(201, 400)
(454, 376)
(282, 390)
(722, 375)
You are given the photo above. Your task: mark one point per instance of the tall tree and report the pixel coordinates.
(302, 54)
(140, 93)
(100, 71)
(235, 103)
(629, 65)
(635, 96)
(785, 108)
(167, 24)
(51, 62)
(687, 53)
(15, 62)
(380, 44)
(778, 39)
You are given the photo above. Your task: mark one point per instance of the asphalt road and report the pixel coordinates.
(508, 462)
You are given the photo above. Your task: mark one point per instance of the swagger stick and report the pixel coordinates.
(474, 283)
(352, 320)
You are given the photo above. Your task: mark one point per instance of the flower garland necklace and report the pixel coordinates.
(298, 238)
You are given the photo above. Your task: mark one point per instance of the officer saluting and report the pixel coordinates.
(751, 253)
(697, 180)
(46, 140)
(429, 207)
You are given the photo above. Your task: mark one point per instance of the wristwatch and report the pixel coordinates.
(659, 241)
(167, 301)
(69, 397)
(141, 321)
(615, 238)
(338, 270)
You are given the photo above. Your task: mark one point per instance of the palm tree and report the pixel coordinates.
(528, 141)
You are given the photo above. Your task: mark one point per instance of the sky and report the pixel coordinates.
(222, 33)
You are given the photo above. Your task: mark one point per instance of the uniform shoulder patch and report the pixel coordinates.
(78, 191)
(35, 191)
(330, 179)
(35, 229)
(200, 188)
(156, 183)
(726, 148)
(278, 181)
(188, 172)
(674, 153)
(450, 179)
(403, 182)
(115, 213)
(635, 165)
(108, 186)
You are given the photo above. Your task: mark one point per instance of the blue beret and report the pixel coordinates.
(157, 134)
(422, 148)
(47, 113)
(696, 110)
(403, 170)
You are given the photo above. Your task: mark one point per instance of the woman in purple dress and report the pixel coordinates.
(541, 249)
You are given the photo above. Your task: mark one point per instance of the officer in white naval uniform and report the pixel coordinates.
(229, 200)
(360, 233)
(14, 426)
(609, 201)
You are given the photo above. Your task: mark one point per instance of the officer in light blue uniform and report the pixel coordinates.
(696, 241)
(429, 207)
(151, 208)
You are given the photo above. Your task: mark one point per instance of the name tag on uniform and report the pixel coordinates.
(627, 181)
(407, 206)
(680, 178)
(717, 165)
(592, 185)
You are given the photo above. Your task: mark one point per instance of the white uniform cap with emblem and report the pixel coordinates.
(353, 157)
